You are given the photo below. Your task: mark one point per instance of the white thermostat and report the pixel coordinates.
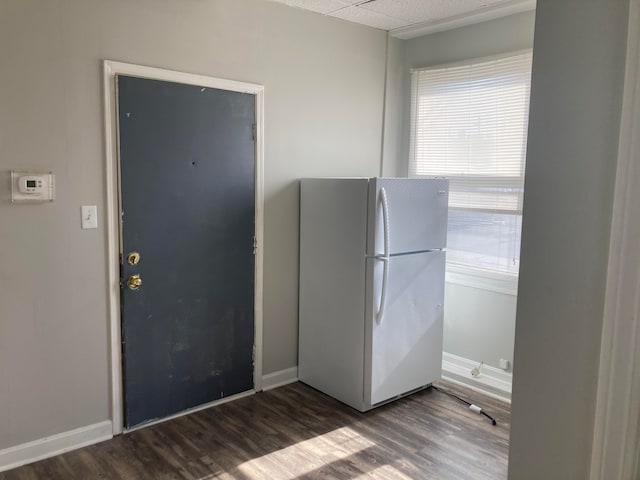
(32, 186)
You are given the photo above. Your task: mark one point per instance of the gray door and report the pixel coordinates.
(187, 163)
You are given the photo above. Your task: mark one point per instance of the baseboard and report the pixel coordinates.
(46, 447)
(492, 381)
(279, 378)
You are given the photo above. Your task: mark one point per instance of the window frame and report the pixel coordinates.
(461, 274)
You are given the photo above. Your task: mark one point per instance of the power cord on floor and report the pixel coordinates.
(472, 407)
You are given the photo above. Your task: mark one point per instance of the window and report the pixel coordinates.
(469, 124)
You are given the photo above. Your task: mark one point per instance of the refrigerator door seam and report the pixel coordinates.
(417, 252)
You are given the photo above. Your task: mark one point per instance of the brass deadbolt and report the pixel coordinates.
(134, 282)
(133, 258)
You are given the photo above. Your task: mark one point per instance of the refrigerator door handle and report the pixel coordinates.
(385, 257)
(385, 220)
(383, 293)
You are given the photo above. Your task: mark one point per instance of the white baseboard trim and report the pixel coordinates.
(279, 378)
(46, 447)
(492, 381)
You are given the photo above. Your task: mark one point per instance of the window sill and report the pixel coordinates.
(505, 283)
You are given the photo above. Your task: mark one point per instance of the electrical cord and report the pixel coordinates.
(472, 407)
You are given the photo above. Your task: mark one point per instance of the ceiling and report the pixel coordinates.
(413, 18)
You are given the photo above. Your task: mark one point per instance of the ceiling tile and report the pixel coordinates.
(418, 11)
(396, 14)
(320, 6)
(369, 17)
(497, 2)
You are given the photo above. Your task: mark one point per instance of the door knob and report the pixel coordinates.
(134, 282)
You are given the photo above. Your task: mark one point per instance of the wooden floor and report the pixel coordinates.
(295, 432)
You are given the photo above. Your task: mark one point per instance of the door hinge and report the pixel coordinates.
(254, 131)
(255, 244)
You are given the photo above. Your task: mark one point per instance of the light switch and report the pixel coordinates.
(89, 217)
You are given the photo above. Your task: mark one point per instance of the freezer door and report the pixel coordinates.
(410, 212)
(404, 350)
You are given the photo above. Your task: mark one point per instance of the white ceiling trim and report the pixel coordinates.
(489, 13)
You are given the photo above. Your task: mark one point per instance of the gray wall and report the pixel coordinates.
(501, 35)
(578, 68)
(479, 323)
(324, 81)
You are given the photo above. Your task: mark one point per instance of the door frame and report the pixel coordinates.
(112, 175)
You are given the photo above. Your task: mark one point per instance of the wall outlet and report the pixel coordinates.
(477, 371)
(504, 364)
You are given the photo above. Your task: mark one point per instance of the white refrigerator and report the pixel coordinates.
(372, 264)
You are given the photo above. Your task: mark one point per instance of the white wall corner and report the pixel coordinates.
(616, 438)
(54, 445)
(492, 381)
(279, 378)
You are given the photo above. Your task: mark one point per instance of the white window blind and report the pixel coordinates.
(469, 124)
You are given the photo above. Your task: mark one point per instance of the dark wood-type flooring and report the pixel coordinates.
(295, 432)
